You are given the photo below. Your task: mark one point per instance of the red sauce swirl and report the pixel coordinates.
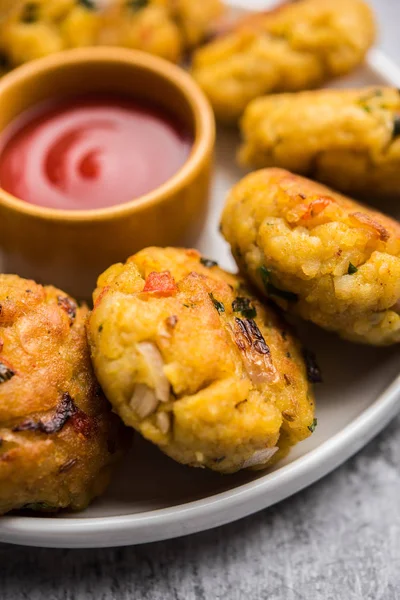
(90, 152)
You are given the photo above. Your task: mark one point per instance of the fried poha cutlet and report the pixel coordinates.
(318, 254)
(58, 437)
(297, 46)
(35, 28)
(349, 139)
(194, 362)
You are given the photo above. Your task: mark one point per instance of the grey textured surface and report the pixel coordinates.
(337, 540)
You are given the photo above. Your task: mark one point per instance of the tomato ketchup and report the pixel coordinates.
(90, 152)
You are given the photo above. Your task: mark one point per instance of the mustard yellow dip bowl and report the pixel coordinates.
(70, 248)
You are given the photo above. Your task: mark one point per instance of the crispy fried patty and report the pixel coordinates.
(36, 28)
(316, 253)
(297, 46)
(193, 361)
(347, 138)
(58, 437)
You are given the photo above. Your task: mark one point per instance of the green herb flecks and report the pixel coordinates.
(352, 269)
(89, 4)
(218, 305)
(313, 425)
(30, 13)
(207, 262)
(272, 290)
(136, 5)
(5, 373)
(364, 100)
(396, 126)
(39, 507)
(244, 307)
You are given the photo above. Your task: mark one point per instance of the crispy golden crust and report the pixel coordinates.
(347, 138)
(338, 260)
(58, 437)
(196, 20)
(211, 386)
(295, 47)
(166, 28)
(149, 26)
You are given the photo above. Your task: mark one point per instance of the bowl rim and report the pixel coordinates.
(201, 111)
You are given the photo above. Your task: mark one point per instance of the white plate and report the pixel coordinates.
(152, 498)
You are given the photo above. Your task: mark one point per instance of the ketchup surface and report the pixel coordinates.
(90, 152)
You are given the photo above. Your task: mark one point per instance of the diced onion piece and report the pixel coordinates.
(260, 457)
(143, 401)
(163, 422)
(155, 365)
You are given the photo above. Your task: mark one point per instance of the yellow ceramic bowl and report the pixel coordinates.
(70, 248)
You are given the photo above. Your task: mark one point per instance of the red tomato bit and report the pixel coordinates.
(316, 207)
(160, 284)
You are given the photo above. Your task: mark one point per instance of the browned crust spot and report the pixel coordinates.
(64, 411)
(371, 223)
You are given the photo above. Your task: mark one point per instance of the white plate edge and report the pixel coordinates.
(241, 502)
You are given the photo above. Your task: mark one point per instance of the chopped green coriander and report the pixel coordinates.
(352, 269)
(207, 262)
(90, 4)
(363, 102)
(39, 506)
(244, 306)
(137, 4)
(313, 425)
(376, 93)
(396, 126)
(218, 305)
(272, 290)
(100, 328)
(30, 14)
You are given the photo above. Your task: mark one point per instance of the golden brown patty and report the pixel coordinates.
(36, 28)
(192, 360)
(318, 254)
(297, 46)
(347, 138)
(58, 437)
(195, 19)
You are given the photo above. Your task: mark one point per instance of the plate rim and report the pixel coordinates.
(176, 521)
(228, 506)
